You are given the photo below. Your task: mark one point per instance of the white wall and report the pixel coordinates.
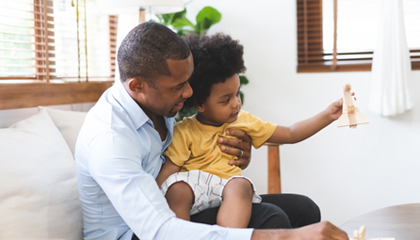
(347, 172)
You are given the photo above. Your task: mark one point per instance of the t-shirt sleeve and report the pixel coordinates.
(259, 131)
(179, 149)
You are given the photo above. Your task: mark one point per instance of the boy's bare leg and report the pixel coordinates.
(180, 198)
(235, 210)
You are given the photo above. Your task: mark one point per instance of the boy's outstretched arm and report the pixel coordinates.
(302, 130)
(168, 168)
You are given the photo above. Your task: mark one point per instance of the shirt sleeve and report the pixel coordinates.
(179, 149)
(259, 131)
(115, 162)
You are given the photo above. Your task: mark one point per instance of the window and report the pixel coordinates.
(54, 52)
(356, 34)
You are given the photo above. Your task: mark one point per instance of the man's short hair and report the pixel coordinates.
(145, 49)
(216, 58)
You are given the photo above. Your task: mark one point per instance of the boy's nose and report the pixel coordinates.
(237, 103)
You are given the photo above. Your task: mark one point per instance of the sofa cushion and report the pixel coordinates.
(68, 123)
(38, 192)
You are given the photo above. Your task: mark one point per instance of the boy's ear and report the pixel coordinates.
(199, 108)
(136, 84)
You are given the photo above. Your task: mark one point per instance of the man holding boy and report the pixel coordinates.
(120, 146)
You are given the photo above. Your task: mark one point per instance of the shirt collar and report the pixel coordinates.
(131, 108)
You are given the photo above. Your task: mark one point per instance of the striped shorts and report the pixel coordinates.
(207, 188)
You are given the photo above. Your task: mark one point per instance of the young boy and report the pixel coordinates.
(196, 174)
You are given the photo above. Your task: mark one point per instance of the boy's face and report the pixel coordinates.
(223, 104)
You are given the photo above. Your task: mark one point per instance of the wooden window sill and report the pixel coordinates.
(25, 95)
(345, 66)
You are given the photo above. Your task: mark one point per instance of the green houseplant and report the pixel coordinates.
(207, 17)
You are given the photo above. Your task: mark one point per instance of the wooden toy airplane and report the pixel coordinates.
(351, 115)
(360, 235)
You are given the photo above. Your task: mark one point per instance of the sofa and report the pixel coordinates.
(39, 197)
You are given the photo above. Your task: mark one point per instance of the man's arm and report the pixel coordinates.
(116, 165)
(318, 231)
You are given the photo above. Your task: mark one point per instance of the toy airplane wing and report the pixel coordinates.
(351, 115)
(360, 235)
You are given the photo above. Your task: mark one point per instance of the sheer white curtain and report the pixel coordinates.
(391, 67)
(67, 39)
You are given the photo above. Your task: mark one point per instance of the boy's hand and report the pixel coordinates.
(336, 108)
(241, 149)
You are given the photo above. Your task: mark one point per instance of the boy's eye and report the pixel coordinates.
(226, 101)
(238, 94)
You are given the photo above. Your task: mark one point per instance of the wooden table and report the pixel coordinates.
(401, 222)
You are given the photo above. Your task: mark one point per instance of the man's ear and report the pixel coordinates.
(136, 84)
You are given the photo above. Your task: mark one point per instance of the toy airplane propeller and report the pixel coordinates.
(351, 115)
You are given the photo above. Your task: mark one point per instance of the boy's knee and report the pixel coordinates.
(180, 191)
(238, 186)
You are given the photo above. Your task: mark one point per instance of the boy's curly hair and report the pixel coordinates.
(216, 58)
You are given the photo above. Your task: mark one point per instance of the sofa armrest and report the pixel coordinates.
(274, 174)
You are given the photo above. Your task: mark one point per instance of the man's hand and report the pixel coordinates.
(241, 149)
(318, 231)
(322, 231)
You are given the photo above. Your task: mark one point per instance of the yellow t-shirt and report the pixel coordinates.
(194, 145)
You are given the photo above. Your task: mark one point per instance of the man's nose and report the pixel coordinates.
(187, 91)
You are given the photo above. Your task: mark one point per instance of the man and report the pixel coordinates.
(120, 146)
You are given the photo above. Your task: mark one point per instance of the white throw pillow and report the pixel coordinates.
(68, 123)
(39, 197)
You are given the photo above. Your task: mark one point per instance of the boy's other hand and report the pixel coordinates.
(240, 148)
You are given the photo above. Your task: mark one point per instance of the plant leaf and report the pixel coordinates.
(181, 14)
(166, 19)
(185, 112)
(203, 26)
(183, 32)
(243, 80)
(210, 13)
(179, 23)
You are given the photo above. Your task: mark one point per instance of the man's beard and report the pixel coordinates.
(171, 114)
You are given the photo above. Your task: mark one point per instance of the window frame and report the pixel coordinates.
(44, 90)
(310, 52)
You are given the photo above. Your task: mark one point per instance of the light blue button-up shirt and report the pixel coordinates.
(118, 156)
